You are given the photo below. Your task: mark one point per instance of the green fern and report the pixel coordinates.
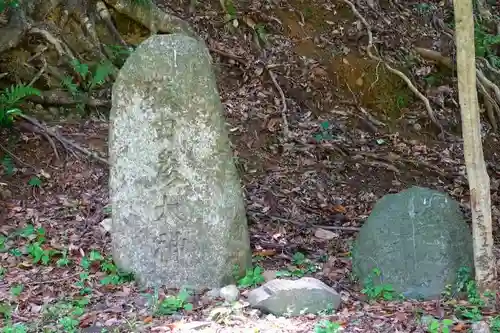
(485, 42)
(15, 93)
(81, 69)
(101, 74)
(9, 101)
(72, 87)
(8, 3)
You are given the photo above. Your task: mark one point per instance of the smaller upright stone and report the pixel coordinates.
(417, 239)
(178, 217)
(294, 297)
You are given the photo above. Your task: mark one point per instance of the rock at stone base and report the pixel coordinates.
(418, 239)
(294, 297)
(178, 214)
(230, 293)
(480, 327)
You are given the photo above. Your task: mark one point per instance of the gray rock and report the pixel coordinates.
(325, 234)
(418, 239)
(480, 327)
(294, 297)
(213, 293)
(230, 293)
(269, 275)
(178, 215)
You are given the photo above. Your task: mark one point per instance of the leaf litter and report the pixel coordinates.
(307, 193)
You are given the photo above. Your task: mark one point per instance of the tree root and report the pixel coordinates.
(152, 17)
(408, 82)
(486, 87)
(286, 128)
(62, 97)
(69, 145)
(20, 24)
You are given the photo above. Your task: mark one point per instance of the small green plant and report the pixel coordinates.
(425, 8)
(472, 313)
(3, 271)
(8, 165)
(119, 53)
(253, 277)
(36, 247)
(324, 133)
(495, 324)
(82, 284)
(65, 315)
(300, 267)
(231, 13)
(16, 290)
(64, 260)
(307, 13)
(10, 100)
(5, 310)
(15, 328)
(401, 102)
(326, 326)
(85, 81)
(170, 304)
(35, 182)
(260, 33)
(377, 291)
(4, 4)
(486, 44)
(114, 275)
(436, 326)
(465, 283)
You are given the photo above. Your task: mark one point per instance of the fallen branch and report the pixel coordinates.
(53, 280)
(16, 158)
(63, 97)
(68, 144)
(228, 55)
(434, 56)
(31, 128)
(332, 227)
(286, 128)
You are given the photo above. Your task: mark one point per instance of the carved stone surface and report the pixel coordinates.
(178, 215)
(418, 240)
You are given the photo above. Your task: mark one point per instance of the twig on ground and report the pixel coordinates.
(370, 120)
(62, 97)
(434, 56)
(60, 46)
(16, 158)
(484, 80)
(410, 85)
(40, 72)
(32, 128)
(53, 280)
(229, 55)
(286, 128)
(490, 105)
(332, 227)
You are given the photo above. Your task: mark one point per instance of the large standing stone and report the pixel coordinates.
(178, 215)
(418, 239)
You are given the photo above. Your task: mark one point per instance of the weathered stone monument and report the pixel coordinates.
(178, 215)
(418, 239)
